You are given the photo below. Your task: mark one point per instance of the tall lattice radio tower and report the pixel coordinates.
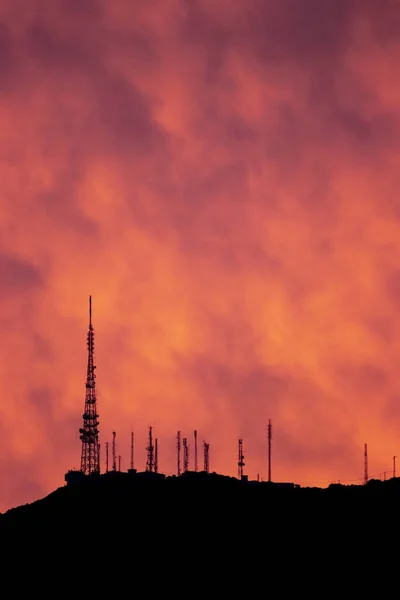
(89, 433)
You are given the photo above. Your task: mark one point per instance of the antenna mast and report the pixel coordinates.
(178, 452)
(185, 455)
(150, 452)
(241, 462)
(269, 448)
(132, 457)
(106, 457)
(206, 449)
(89, 433)
(365, 464)
(114, 456)
(156, 456)
(195, 450)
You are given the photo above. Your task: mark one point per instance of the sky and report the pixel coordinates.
(222, 176)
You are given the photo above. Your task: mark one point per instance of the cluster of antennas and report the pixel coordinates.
(89, 434)
(241, 463)
(183, 454)
(182, 450)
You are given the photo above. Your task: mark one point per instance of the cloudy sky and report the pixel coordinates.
(223, 177)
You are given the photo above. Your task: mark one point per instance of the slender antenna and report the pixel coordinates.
(89, 433)
(269, 448)
(106, 457)
(114, 458)
(119, 463)
(150, 452)
(185, 455)
(132, 441)
(241, 462)
(178, 452)
(365, 464)
(195, 450)
(206, 450)
(156, 455)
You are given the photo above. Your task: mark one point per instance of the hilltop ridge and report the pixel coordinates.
(196, 498)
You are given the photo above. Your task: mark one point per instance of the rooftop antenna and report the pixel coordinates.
(241, 462)
(132, 457)
(185, 456)
(178, 452)
(206, 450)
(119, 463)
(114, 457)
(156, 456)
(365, 464)
(150, 453)
(195, 450)
(89, 433)
(269, 449)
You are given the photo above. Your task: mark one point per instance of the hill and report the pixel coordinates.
(201, 535)
(198, 502)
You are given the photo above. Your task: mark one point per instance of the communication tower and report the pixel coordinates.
(269, 448)
(150, 453)
(206, 450)
(132, 448)
(185, 456)
(241, 462)
(195, 450)
(114, 451)
(89, 433)
(178, 453)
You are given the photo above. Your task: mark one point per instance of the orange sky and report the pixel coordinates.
(222, 177)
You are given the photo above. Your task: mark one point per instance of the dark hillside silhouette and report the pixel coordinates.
(197, 503)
